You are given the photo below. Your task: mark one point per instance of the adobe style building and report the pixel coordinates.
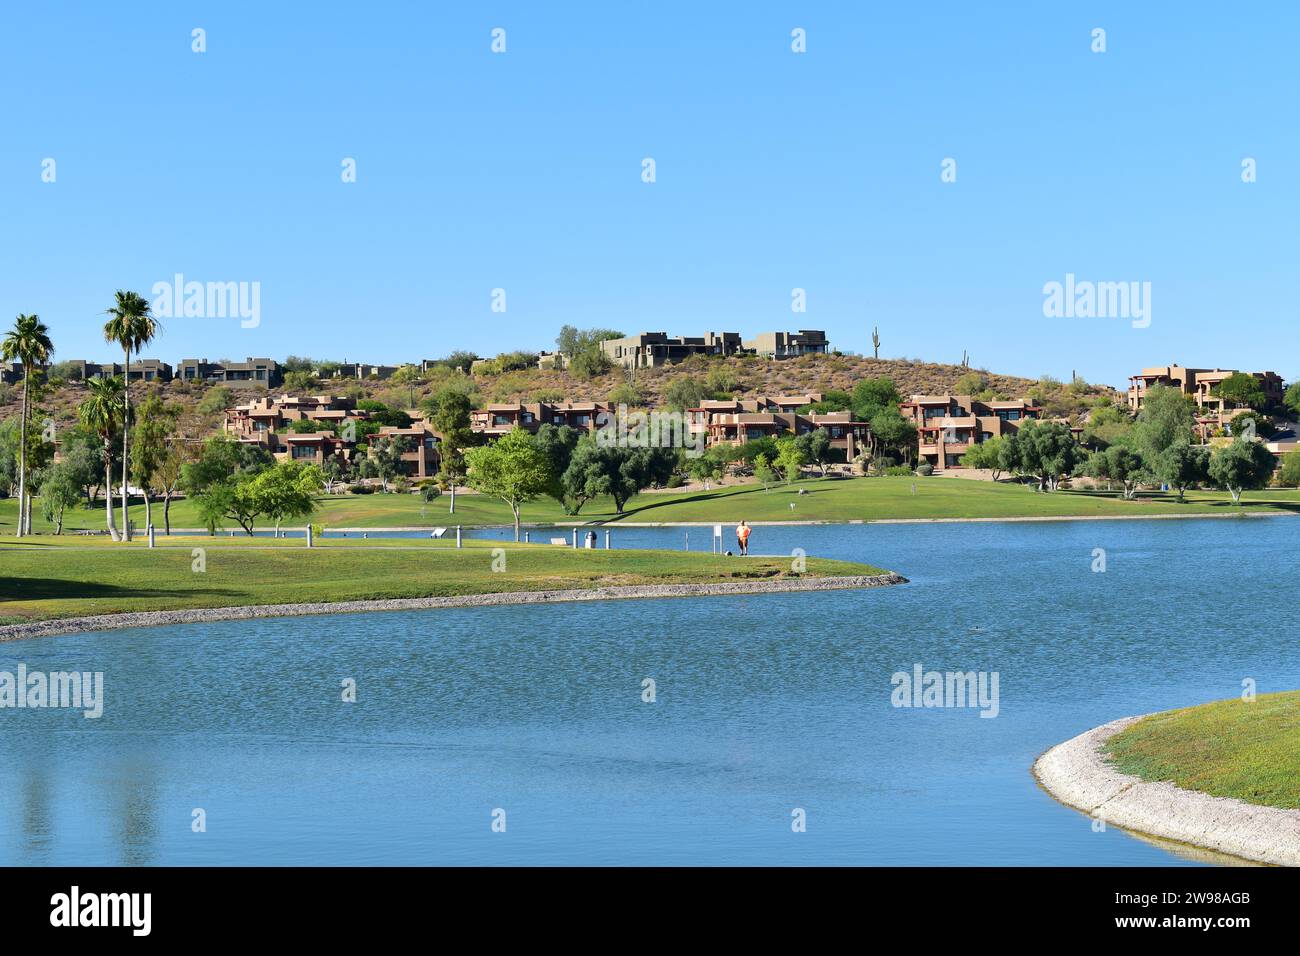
(779, 345)
(268, 422)
(736, 428)
(495, 420)
(653, 349)
(949, 425)
(365, 371)
(250, 373)
(1197, 384)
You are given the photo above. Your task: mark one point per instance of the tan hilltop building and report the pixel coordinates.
(1197, 384)
(654, 349)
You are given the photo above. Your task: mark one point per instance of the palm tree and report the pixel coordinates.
(131, 325)
(101, 413)
(28, 342)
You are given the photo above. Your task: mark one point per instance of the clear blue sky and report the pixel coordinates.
(774, 170)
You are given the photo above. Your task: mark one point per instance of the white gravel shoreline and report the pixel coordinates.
(1077, 774)
(104, 622)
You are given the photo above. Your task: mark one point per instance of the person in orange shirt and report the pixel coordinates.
(742, 537)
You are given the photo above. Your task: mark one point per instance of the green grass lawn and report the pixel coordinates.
(1230, 748)
(68, 577)
(853, 499)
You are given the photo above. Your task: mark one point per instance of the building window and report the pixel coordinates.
(304, 451)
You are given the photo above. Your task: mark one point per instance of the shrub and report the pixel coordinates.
(925, 469)
(217, 400)
(360, 489)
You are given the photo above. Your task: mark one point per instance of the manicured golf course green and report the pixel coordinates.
(50, 577)
(851, 499)
(1248, 750)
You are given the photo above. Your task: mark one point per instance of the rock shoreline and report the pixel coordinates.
(104, 622)
(1077, 774)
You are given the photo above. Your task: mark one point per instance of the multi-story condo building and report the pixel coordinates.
(496, 420)
(653, 349)
(1197, 384)
(788, 344)
(948, 425)
(364, 370)
(11, 373)
(269, 422)
(148, 370)
(250, 373)
(725, 427)
(419, 448)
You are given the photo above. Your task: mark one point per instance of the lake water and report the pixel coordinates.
(764, 704)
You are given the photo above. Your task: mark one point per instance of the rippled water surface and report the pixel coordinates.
(764, 704)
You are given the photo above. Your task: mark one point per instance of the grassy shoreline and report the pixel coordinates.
(47, 578)
(1248, 751)
(822, 500)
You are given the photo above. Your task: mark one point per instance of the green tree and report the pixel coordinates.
(789, 459)
(285, 490)
(79, 449)
(709, 466)
(101, 412)
(131, 325)
(815, 446)
(1242, 390)
(1045, 450)
(627, 394)
(153, 430)
(513, 469)
(763, 471)
(1290, 474)
(557, 443)
(872, 396)
(299, 381)
(59, 491)
(721, 380)
(683, 392)
(1118, 463)
(590, 363)
(1241, 466)
(384, 461)
(27, 342)
(1292, 399)
(222, 458)
(170, 472)
(1106, 425)
(1167, 416)
(987, 455)
(451, 422)
(1182, 465)
(216, 400)
(893, 432)
(617, 471)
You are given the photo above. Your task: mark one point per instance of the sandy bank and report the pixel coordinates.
(1077, 774)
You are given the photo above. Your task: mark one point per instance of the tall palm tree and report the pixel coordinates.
(131, 325)
(101, 412)
(28, 342)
